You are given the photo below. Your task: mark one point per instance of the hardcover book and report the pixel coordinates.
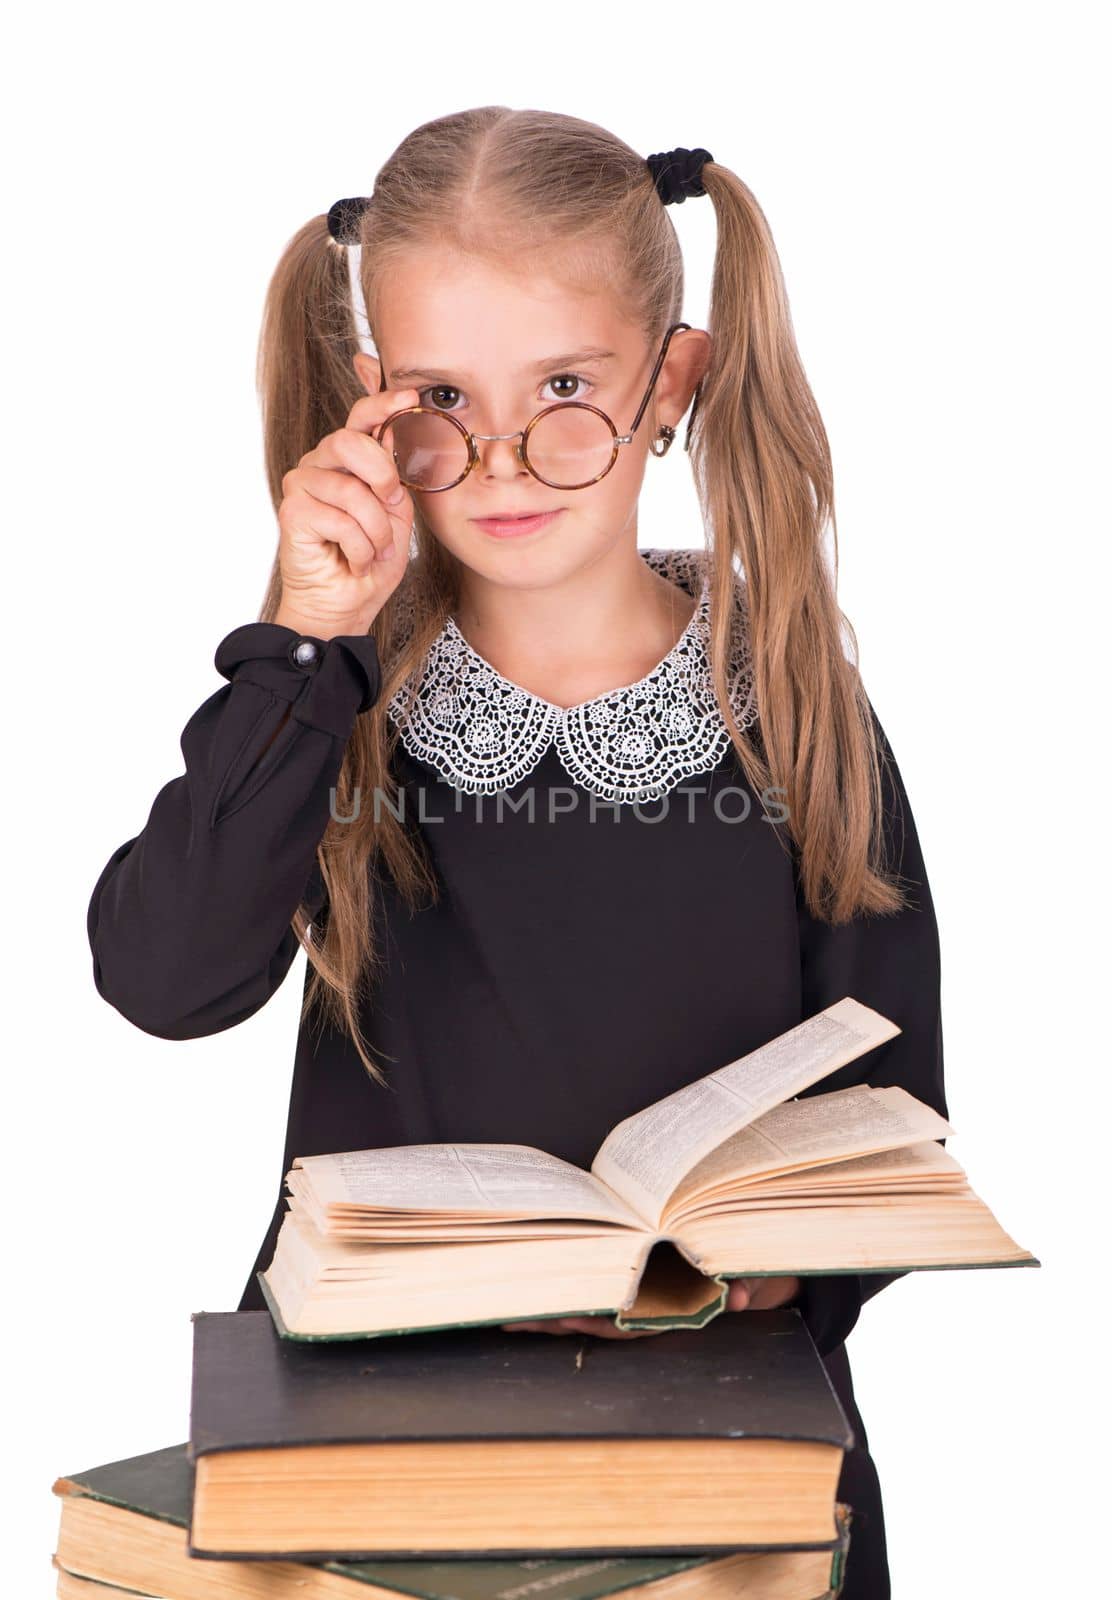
(477, 1441)
(730, 1176)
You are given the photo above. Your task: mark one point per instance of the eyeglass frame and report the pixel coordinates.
(522, 451)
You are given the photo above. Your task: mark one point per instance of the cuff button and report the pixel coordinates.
(304, 652)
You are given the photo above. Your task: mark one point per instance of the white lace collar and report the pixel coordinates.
(484, 733)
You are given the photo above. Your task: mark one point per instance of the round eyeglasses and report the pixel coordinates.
(568, 445)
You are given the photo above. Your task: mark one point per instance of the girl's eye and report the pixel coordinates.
(568, 378)
(437, 393)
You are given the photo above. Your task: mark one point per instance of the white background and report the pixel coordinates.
(935, 180)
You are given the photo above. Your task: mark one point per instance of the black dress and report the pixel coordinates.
(587, 955)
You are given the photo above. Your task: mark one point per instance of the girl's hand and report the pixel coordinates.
(761, 1294)
(746, 1294)
(345, 523)
(602, 1327)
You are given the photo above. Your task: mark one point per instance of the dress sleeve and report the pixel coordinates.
(189, 922)
(891, 963)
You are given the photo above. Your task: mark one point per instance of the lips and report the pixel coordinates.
(516, 524)
(511, 516)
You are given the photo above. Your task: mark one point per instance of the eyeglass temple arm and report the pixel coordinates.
(675, 328)
(691, 416)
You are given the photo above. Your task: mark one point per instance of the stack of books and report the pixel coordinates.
(454, 1460)
(480, 1464)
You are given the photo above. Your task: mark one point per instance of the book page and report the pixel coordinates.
(801, 1134)
(472, 1180)
(646, 1155)
(927, 1167)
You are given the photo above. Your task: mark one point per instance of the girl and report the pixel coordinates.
(562, 824)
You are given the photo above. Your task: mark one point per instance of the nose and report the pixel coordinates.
(513, 456)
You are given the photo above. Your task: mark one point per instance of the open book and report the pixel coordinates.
(728, 1177)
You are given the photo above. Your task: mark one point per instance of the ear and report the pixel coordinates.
(368, 370)
(687, 360)
(704, 345)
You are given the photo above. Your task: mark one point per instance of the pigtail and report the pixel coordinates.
(763, 468)
(304, 375)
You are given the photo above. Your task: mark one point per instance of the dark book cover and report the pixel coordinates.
(159, 1484)
(747, 1374)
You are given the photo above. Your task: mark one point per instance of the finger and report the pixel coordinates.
(600, 1327)
(740, 1294)
(349, 452)
(608, 1332)
(771, 1293)
(371, 410)
(603, 1328)
(350, 494)
(327, 523)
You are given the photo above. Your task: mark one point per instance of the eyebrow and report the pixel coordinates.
(588, 356)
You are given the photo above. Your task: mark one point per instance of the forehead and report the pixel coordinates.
(462, 313)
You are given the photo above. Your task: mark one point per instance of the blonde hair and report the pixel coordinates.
(504, 185)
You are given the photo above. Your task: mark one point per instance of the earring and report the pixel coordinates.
(664, 438)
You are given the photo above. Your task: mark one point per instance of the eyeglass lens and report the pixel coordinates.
(568, 447)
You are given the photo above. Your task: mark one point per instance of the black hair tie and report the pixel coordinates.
(343, 219)
(678, 174)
